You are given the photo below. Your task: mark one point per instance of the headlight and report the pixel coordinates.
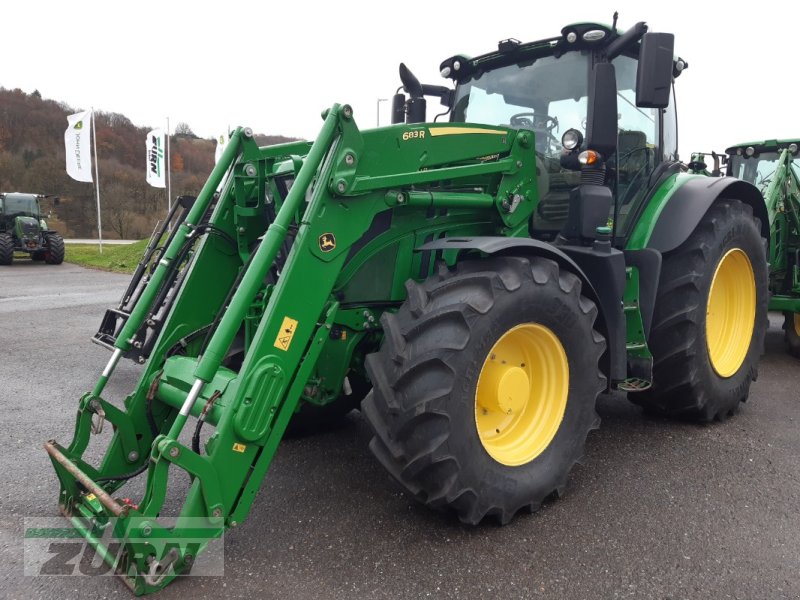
(594, 35)
(571, 139)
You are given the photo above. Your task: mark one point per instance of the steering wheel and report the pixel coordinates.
(531, 120)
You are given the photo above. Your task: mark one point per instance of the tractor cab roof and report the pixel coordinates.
(18, 204)
(20, 195)
(763, 146)
(577, 36)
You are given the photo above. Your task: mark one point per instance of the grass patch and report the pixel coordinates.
(116, 258)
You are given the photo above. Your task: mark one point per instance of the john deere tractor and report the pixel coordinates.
(23, 229)
(773, 166)
(487, 276)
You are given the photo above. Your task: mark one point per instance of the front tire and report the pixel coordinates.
(6, 249)
(791, 328)
(484, 389)
(710, 318)
(54, 255)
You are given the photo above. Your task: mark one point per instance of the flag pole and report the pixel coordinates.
(169, 175)
(97, 185)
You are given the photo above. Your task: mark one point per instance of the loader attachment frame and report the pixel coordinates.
(115, 318)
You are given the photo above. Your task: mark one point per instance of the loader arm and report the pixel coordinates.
(771, 165)
(782, 196)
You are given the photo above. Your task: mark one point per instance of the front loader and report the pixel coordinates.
(773, 166)
(486, 278)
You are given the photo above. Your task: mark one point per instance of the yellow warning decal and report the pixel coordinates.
(463, 130)
(90, 497)
(239, 447)
(285, 334)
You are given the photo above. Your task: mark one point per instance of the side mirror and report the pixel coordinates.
(654, 72)
(410, 82)
(601, 129)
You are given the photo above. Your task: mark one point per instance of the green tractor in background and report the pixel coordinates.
(487, 277)
(23, 229)
(773, 166)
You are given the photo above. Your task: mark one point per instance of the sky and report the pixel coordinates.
(274, 66)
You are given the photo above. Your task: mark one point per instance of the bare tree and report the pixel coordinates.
(184, 130)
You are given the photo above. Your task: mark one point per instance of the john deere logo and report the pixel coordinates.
(78, 125)
(327, 242)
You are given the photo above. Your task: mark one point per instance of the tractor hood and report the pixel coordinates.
(27, 231)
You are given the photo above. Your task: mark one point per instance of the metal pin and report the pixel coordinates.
(112, 363)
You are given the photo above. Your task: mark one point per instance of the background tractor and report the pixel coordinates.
(773, 166)
(23, 229)
(486, 278)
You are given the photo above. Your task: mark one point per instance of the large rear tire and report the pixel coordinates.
(54, 255)
(484, 389)
(6, 249)
(791, 328)
(710, 318)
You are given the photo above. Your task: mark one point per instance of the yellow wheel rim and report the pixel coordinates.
(521, 394)
(797, 324)
(731, 311)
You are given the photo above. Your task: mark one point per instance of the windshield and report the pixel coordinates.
(547, 95)
(19, 204)
(758, 170)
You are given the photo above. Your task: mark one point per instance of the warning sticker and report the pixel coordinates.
(285, 334)
(239, 447)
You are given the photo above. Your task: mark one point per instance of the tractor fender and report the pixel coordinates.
(607, 298)
(691, 201)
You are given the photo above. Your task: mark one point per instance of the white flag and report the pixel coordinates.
(156, 172)
(222, 141)
(77, 139)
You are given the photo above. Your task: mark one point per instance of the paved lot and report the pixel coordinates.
(658, 510)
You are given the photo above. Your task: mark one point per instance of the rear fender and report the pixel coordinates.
(686, 206)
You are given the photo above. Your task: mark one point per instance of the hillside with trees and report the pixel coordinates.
(32, 160)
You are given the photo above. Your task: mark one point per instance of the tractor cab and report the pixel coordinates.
(594, 89)
(19, 205)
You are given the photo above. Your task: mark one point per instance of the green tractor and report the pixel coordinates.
(773, 166)
(23, 229)
(487, 276)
